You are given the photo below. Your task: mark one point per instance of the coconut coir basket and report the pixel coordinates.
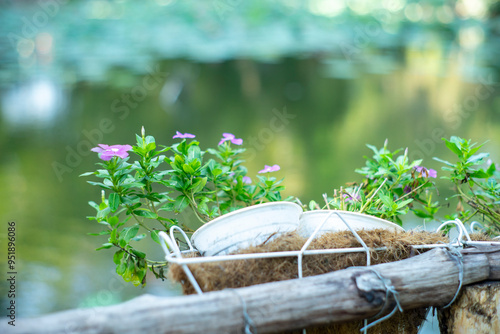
(241, 273)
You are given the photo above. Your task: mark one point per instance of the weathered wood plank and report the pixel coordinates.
(430, 279)
(477, 311)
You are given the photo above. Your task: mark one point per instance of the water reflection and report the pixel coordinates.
(37, 102)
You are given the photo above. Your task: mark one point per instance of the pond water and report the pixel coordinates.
(283, 82)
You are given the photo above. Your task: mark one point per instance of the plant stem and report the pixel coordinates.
(370, 199)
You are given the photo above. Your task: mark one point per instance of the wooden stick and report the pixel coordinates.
(357, 293)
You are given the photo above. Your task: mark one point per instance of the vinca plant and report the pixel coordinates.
(141, 195)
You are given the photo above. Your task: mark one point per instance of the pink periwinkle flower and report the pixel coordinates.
(245, 179)
(269, 169)
(183, 135)
(106, 152)
(426, 172)
(231, 138)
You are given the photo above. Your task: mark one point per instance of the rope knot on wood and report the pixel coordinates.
(377, 290)
(458, 258)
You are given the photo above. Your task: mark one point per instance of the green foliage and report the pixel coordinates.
(214, 182)
(477, 190)
(142, 193)
(392, 186)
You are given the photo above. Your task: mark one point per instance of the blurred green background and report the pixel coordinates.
(305, 83)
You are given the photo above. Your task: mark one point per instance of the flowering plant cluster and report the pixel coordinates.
(477, 190)
(392, 186)
(145, 194)
(141, 195)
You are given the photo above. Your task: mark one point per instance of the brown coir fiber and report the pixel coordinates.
(241, 273)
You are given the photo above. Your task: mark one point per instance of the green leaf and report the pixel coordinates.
(181, 202)
(194, 152)
(129, 232)
(491, 170)
(105, 246)
(477, 158)
(118, 256)
(87, 174)
(404, 203)
(198, 184)
(139, 237)
(155, 236)
(113, 221)
(102, 185)
(94, 205)
(145, 213)
(188, 169)
(452, 146)
(138, 253)
(128, 185)
(313, 205)
(114, 201)
(422, 214)
(100, 233)
(113, 237)
(178, 161)
(444, 161)
(479, 174)
(386, 200)
(122, 267)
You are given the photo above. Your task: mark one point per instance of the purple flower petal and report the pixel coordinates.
(106, 152)
(275, 168)
(245, 179)
(183, 135)
(237, 141)
(350, 198)
(229, 136)
(269, 169)
(432, 173)
(424, 172)
(265, 170)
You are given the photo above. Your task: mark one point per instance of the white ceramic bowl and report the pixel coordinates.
(311, 219)
(245, 227)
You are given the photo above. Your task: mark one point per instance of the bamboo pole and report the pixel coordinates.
(430, 279)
